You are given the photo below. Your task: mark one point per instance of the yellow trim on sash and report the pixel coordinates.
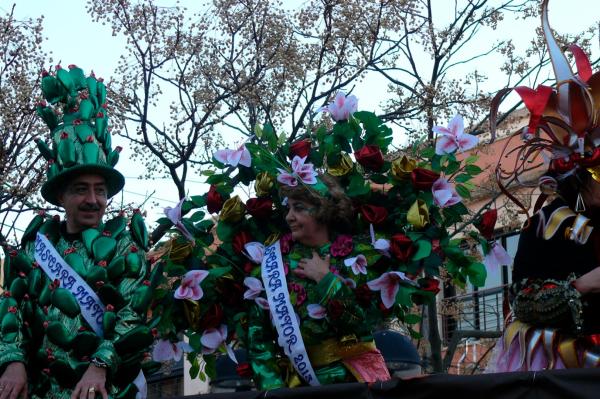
(556, 219)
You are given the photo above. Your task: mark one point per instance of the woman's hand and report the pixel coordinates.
(91, 383)
(589, 283)
(314, 268)
(13, 383)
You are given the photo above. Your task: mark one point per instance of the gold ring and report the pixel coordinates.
(91, 390)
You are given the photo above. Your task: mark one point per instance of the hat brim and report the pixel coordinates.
(114, 180)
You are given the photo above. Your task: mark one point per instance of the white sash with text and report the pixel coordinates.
(56, 268)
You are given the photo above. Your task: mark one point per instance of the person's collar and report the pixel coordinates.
(69, 236)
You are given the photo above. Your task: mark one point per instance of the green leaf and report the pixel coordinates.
(198, 200)
(225, 231)
(477, 274)
(196, 216)
(195, 369)
(473, 170)
(463, 191)
(463, 177)
(219, 271)
(452, 167)
(471, 159)
(357, 186)
(412, 318)
(403, 297)
(164, 221)
(423, 250)
(211, 366)
(428, 153)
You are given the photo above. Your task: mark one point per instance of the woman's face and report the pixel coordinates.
(304, 226)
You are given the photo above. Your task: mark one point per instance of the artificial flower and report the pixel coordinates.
(233, 210)
(342, 168)
(215, 338)
(316, 311)
(255, 287)
(363, 295)
(370, 157)
(300, 148)
(374, 214)
(453, 137)
(341, 246)
(423, 179)
(299, 291)
(348, 282)
(262, 303)
(240, 240)
(240, 156)
(302, 172)
(263, 184)
(357, 263)
(402, 247)
(418, 214)
(260, 208)
(212, 318)
(244, 370)
(214, 200)
(430, 284)
(174, 215)
(496, 257)
(444, 194)
(402, 167)
(286, 243)
(335, 309)
(165, 350)
(190, 285)
(382, 246)
(388, 284)
(342, 107)
(255, 251)
(486, 223)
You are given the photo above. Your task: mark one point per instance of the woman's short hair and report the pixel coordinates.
(334, 209)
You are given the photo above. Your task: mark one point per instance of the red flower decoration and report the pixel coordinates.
(430, 284)
(102, 263)
(363, 295)
(260, 208)
(402, 247)
(486, 223)
(244, 370)
(335, 309)
(342, 246)
(300, 148)
(240, 239)
(423, 179)
(374, 214)
(214, 200)
(370, 157)
(286, 243)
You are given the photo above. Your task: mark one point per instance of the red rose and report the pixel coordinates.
(244, 370)
(423, 179)
(300, 148)
(374, 214)
(370, 157)
(286, 243)
(214, 200)
(342, 246)
(260, 208)
(212, 318)
(335, 309)
(364, 295)
(430, 284)
(242, 238)
(402, 247)
(487, 222)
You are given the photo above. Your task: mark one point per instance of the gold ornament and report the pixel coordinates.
(342, 168)
(233, 210)
(263, 184)
(402, 167)
(418, 214)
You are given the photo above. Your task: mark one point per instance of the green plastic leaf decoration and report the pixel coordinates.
(65, 79)
(477, 274)
(473, 170)
(66, 152)
(423, 250)
(86, 109)
(471, 159)
(90, 153)
(83, 131)
(463, 191)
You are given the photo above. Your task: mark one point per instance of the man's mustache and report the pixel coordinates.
(89, 207)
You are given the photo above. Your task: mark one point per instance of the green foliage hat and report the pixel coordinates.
(75, 112)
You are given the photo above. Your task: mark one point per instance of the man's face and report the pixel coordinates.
(84, 200)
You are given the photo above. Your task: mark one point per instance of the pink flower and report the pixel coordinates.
(262, 302)
(342, 107)
(240, 156)
(190, 285)
(316, 311)
(453, 137)
(300, 292)
(174, 215)
(342, 245)
(389, 284)
(444, 193)
(255, 251)
(496, 257)
(165, 350)
(300, 172)
(255, 287)
(358, 264)
(348, 282)
(215, 338)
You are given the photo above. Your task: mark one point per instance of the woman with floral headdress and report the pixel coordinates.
(556, 275)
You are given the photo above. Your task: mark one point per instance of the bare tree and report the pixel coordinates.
(21, 169)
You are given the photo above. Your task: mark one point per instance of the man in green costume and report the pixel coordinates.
(73, 310)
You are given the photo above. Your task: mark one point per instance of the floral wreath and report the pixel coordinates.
(406, 208)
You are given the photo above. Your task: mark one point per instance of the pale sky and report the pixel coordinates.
(72, 37)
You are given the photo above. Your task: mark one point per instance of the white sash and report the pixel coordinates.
(284, 317)
(56, 268)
